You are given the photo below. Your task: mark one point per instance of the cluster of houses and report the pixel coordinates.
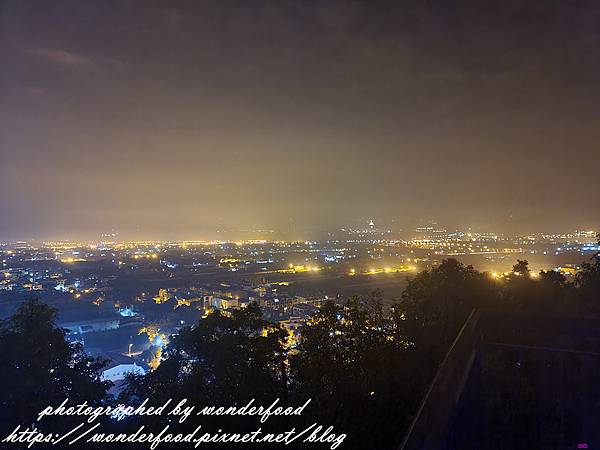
(131, 336)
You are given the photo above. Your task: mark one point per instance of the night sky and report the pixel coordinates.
(175, 119)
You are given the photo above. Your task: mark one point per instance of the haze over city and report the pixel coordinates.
(176, 120)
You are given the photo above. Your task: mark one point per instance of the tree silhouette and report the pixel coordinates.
(360, 371)
(223, 359)
(436, 302)
(587, 282)
(521, 268)
(39, 368)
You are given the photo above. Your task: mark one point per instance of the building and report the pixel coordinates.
(225, 303)
(87, 326)
(119, 367)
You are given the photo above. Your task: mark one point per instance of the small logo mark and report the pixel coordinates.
(582, 446)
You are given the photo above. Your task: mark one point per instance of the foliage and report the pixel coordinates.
(587, 283)
(436, 302)
(355, 364)
(223, 359)
(40, 368)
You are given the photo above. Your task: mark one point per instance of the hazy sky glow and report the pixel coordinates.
(173, 119)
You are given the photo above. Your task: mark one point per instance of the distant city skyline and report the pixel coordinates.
(386, 230)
